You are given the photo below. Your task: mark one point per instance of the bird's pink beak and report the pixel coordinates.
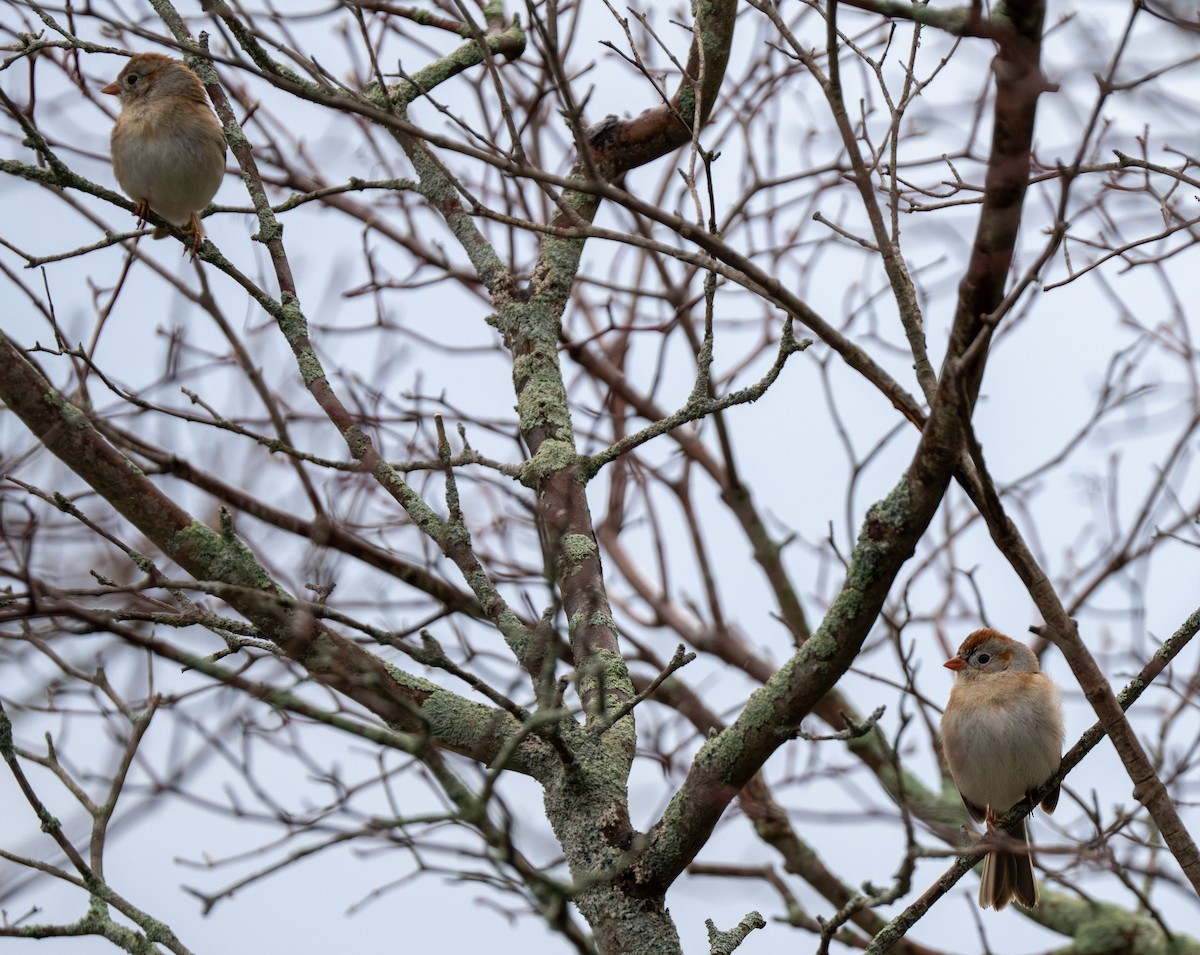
(112, 89)
(957, 663)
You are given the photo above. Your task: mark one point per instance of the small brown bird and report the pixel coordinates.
(168, 150)
(1002, 732)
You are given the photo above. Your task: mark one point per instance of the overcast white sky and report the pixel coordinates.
(1042, 382)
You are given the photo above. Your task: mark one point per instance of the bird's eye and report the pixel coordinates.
(983, 658)
(131, 79)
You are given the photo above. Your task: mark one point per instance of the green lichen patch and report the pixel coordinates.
(602, 618)
(408, 680)
(291, 321)
(210, 555)
(575, 549)
(465, 725)
(542, 402)
(70, 415)
(310, 365)
(721, 751)
(552, 456)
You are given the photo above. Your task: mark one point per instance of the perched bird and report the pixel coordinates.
(168, 150)
(1002, 733)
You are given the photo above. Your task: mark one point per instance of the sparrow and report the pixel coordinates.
(1002, 733)
(168, 149)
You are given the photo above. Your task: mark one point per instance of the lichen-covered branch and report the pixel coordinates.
(403, 701)
(893, 525)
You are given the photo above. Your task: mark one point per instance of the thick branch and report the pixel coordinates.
(893, 526)
(403, 701)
